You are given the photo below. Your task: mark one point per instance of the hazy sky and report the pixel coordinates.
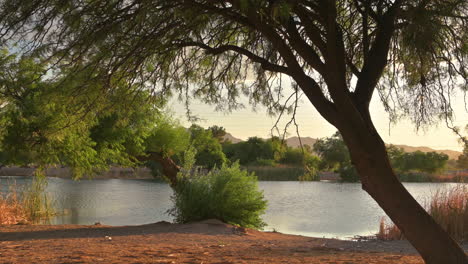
(245, 123)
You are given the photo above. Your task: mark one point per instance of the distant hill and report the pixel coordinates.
(229, 137)
(294, 142)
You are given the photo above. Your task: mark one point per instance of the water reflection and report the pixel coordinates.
(304, 208)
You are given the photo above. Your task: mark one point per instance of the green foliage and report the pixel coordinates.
(348, 173)
(46, 121)
(35, 201)
(335, 155)
(209, 151)
(218, 132)
(281, 173)
(294, 156)
(264, 162)
(332, 151)
(167, 137)
(228, 194)
(298, 156)
(462, 160)
(255, 149)
(427, 162)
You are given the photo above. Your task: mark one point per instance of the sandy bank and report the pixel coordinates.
(204, 242)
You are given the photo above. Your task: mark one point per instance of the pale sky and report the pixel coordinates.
(245, 123)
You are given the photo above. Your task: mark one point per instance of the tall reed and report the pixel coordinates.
(448, 207)
(25, 205)
(36, 201)
(12, 210)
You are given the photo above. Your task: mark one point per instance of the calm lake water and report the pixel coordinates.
(322, 209)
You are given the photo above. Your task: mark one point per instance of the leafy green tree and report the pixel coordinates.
(218, 132)
(332, 151)
(337, 52)
(335, 155)
(462, 160)
(209, 150)
(428, 162)
(167, 137)
(46, 123)
(256, 150)
(396, 154)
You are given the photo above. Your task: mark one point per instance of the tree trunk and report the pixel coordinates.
(170, 168)
(369, 155)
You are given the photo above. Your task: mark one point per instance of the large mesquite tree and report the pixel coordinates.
(336, 52)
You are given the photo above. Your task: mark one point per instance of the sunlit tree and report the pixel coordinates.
(338, 53)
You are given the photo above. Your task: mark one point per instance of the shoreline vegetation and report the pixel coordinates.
(448, 207)
(26, 205)
(263, 173)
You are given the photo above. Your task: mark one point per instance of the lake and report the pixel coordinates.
(320, 209)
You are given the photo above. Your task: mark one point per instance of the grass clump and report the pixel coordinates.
(36, 202)
(12, 210)
(27, 205)
(283, 173)
(229, 194)
(448, 207)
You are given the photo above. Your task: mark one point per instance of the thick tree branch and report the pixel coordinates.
(312, 31)
(375, 62)
(335, 61)
(169, 168)
(304, 49)
(224, 48)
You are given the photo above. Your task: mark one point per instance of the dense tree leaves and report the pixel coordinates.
(462, 161)
(209, 150)
(428, 162)
(218, 132)
(49, 121)
(255, 150)
(414, 53)
(335, 156)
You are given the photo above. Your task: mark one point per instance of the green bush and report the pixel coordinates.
(228, 194)
(264, 162)
(348, 173)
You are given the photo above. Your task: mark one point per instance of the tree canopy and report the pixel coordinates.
(209, 150)
(46, 122)
(338, 53)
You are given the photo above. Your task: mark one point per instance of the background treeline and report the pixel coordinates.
(272, 159)
(43, 123)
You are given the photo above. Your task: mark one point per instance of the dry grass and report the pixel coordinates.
(25, 205)
(448, 207)
(461, 177)
(12, 210)
(388, 231)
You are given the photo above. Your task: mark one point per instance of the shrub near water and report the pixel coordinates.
(228, 194)
(449, 208)
(35, 200)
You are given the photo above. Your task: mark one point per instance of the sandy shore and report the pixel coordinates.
(205, 242)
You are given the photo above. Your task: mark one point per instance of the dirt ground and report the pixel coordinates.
(204, 242)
